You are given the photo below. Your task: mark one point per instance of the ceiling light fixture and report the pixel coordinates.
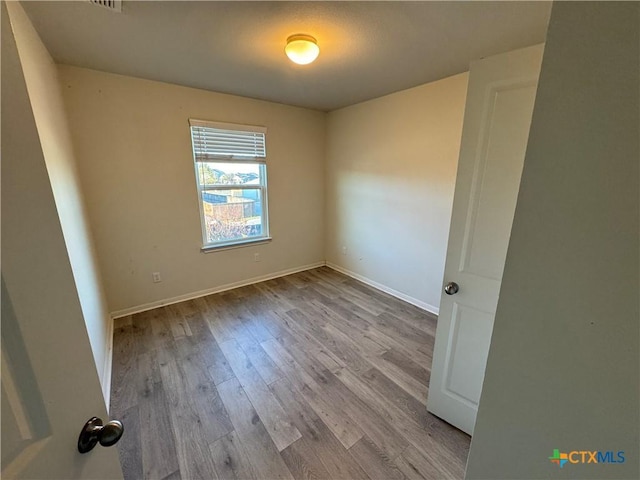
(302, 49)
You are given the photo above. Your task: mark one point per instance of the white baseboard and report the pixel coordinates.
(384, 288)
(108, 363)
(210, 291)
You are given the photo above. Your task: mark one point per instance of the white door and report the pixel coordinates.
(498, 111)
(50, 385)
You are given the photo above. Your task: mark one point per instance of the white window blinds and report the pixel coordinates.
(214, 141)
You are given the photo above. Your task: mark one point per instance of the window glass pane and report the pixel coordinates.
(233, 214)
(228, 173)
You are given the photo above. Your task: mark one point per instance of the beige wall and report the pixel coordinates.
(391, 168)
(41, 78)
(389, 205)
(133, 144)
(563, 366)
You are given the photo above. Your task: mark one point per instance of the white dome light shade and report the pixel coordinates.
(302, 49)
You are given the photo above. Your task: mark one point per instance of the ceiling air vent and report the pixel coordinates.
(113, 5)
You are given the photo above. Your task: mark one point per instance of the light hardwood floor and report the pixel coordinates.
(313, 375)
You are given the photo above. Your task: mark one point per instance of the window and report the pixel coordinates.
(231, 177)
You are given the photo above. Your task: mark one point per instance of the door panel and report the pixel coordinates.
(470, 329)
(496, 181)
(24, 418)
(498, 111)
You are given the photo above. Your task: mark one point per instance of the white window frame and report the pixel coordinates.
(242, 157)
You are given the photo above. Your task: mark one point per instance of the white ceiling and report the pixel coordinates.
(368, 49)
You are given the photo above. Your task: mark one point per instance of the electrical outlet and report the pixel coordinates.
(156, 277)
(344, 250)
(256, 257)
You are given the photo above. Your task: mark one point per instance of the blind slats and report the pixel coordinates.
(210, 142)
(216, 158)
(242, 145)
(207, 136)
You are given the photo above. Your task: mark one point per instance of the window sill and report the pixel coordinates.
(230, 246)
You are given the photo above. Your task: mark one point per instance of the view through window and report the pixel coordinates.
(230, 163)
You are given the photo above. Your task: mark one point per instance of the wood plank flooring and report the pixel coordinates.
(310, 376)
